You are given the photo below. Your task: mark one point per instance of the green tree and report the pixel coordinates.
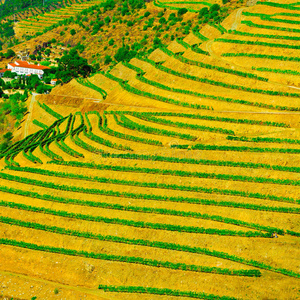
(124, 54)
(10, 53)
(71, 65)
(182, 11)
(214, 7)
(73, 31)
(107, 59)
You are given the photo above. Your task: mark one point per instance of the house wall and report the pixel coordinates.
(26, 71)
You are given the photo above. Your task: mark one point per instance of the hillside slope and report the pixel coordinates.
(172, 175)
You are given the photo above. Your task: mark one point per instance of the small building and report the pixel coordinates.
(2, 71)
(24, 68)
(53, 81)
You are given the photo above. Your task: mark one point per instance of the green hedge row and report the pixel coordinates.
(280, 71)
(202, 162)
(206, 201)
(219, 27)
(69, 126)
(196, 106)
(89, 126)
(45, 150)
(135, 208)
(79, 142)
(167, 186)
(163, 245)
(161, 211)
(263, 140)
(219, 83)
(276, 57)
(236, 148)
(133, 67)
(102, 125)
(268, 36)
(136, 91)
(64, 147)
(90, 235)
(40, 124)
(23, 143)
(105, 142)
(127, 123)
(159, 291)
(196, 49)
(182, 173)
(211, 67)
(217, 98)
(50, 111)
(159, 226)
(88, 84)
(182, 43)
(151, 118)
(200, 35)
(28, 154)
(251, 24)
(41, 138)
(103, 256)
(130, 137)
(257, 43)
(291, 6)
(175, 90)
(271, 19)
(208, 118)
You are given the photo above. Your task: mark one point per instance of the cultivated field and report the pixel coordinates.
(168, 177)
(40, 21)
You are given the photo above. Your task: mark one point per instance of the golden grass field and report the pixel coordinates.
(151, 165)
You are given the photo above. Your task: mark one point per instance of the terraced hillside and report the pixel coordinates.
(171, 176)
(39, 21)
(192, 6)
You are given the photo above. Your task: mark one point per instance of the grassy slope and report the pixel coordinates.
(83, 275)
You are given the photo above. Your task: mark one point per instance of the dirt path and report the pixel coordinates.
(29, 115)
(39, 281)
(238, 18)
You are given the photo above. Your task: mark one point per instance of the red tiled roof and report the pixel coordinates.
(4, 70)
(25, 64)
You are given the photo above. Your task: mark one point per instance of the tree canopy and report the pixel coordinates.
(71, 65)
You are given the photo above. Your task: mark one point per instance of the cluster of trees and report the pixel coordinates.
(15, 106)
(6, 30)
(9, 54)
(7, 137)
(210, 14)
(71, 65)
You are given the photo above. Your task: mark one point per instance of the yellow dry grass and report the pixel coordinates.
(76, 276)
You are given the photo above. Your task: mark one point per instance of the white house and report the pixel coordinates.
(53, 81)
(24, 68)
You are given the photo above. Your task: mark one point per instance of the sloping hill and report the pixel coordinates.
(174, 175)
